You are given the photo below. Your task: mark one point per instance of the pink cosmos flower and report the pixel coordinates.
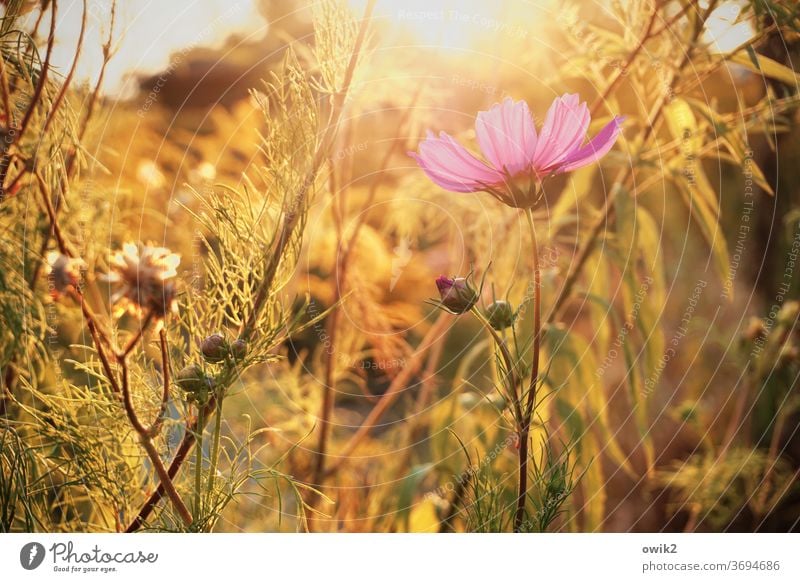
(517, 159)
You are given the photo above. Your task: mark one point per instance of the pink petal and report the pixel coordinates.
(595, 149)
(452, 167)
(563, 131)
(506, 135)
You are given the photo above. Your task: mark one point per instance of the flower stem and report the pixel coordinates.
(510, 378)
(181, 454)
(147, 443)
(198, 463)
(215, 446)
(530, 397)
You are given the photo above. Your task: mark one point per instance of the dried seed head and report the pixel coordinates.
(143, 276)
(63, 273)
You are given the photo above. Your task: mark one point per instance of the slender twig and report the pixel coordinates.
(131, 344)
(55, 228)
(6, 92)
(65, 85)
(94, 97)
(37, 92)
(332, 330)
(11, 188)
(181, 454)
(96, 339)
(622, 71)
(156, 426)
(392, 392)
(149, 447)
(606, 213)
(165, 480)
(675, 18)
(344, 250)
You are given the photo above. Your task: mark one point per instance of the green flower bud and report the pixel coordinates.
(193, 380)
(239, 349)
(214, 348)
(500, 315)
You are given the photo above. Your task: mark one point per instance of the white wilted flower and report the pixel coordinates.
(143, 275)
(63, 272)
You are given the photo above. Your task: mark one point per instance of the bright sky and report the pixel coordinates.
(153, 30)
(156, 28)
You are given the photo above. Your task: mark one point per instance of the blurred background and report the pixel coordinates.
(675, 365)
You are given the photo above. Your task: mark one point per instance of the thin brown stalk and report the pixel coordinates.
(392, 392)
(94, 97)
(530, 401)
(675, 18)
(131, 343)
(344, 249)
(55, 228)
(65, 85)
(6, 91)
(429, 382)
(622, 71)
(332, 328)
(37, 92)
(165, 480)
(155, 428)
(181, 454)
(96, 339)
(147, 443)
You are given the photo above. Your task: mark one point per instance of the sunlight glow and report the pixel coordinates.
(725, 30)
(450, 24)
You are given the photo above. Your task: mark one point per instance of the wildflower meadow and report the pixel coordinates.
(371, 266)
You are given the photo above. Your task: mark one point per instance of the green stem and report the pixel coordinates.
(510, 378)
(215, 445)
(198, 463)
